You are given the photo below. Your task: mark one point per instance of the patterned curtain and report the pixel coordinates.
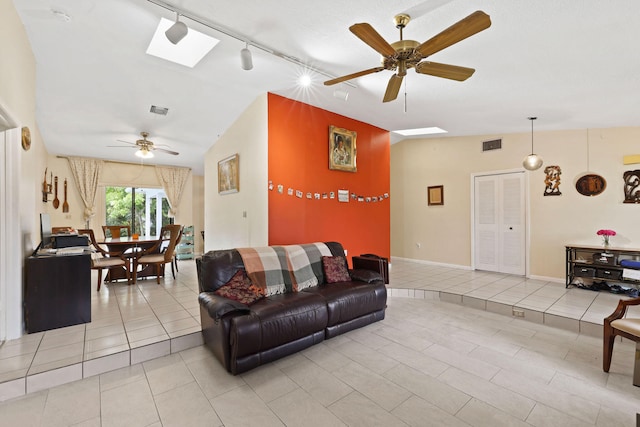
(87, 174)
(173, 181)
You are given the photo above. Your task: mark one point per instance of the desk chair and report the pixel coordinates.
(115, 231)
(102, 259)
(155, 255)
(618, 324)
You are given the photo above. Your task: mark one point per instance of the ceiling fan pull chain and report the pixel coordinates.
(405, 95)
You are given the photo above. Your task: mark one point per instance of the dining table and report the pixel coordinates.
(131, 248)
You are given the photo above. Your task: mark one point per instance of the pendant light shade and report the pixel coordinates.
(532, 161)
(177, 31)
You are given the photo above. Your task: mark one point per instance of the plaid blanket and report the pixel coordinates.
(282, 269)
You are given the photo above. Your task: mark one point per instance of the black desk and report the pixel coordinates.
(57, 292)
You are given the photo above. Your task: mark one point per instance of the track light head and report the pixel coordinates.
(246, 61)
(177, 31)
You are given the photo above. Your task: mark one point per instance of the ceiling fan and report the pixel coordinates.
(405, 54)
(146, 147)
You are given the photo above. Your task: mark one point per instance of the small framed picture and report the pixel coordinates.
(342, 149)
(228, 175)
(435, 195)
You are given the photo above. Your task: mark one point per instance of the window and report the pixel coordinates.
(137, 207)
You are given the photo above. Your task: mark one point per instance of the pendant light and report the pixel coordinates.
(532, 161)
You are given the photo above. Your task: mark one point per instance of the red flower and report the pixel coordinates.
(606, 233)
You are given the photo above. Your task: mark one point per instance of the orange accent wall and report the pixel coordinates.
(299, 159)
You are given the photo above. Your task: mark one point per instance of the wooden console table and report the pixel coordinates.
(594, 263)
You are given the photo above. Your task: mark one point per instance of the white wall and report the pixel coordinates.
(225, 225)
(445, 231)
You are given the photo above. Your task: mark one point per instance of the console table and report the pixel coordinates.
(57, 292)
(593, 262)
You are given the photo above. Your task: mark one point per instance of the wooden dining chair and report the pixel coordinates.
(618, 324)
(115, 231)
(102, 259)
(156, 255)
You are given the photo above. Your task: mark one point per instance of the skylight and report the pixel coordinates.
(420, 131)
(188, 52)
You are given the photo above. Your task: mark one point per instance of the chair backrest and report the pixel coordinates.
(92, 240)
(115, 231)
(173, 231)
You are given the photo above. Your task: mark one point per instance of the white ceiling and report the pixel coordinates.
(572, 63)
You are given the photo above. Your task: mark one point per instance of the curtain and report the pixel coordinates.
(173, 181)
(87, 174)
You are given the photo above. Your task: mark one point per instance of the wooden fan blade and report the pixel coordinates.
(370, 36)
(392, 88)
(121, 146)
(353, 76)
(175, 153)
(467, 27)
(446, 71)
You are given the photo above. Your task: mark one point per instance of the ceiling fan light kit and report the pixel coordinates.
(177, 31)
(144, 154)
(532, 161)
(406, 54)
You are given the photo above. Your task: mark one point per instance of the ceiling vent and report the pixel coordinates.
(159, 110)
(494, 144)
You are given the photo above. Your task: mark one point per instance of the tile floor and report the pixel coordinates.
(429, 362)
(129, 324)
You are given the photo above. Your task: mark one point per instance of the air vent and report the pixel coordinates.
(494, 144)
(159, 110)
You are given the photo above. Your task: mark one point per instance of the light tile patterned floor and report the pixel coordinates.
(429, 362)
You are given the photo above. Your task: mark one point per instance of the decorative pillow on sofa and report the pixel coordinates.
(335, 269)
(239, 288)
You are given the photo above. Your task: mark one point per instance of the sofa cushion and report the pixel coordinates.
(349, 300)
(335, 269)
(240, 289)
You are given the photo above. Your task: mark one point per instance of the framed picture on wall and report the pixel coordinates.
(342, 149)
(228, 175)
(435, 195)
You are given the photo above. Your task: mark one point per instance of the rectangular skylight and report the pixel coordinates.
(188, 52)
(420, 131)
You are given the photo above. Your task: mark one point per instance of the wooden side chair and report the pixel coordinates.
(102, 259)
(619, 325)
(115, 231)
(159, 254)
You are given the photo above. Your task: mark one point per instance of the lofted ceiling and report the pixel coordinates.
(574, 64)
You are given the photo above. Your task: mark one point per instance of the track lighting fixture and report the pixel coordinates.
(532, 161)
(177, 31)
(246, 61)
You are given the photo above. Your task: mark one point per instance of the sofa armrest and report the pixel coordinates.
(219, 307)
(367, 276)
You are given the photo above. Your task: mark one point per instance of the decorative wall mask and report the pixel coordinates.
(591, 184)
(552, 181)
(632, 186)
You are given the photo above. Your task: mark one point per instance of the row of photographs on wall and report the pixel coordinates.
(341, 195)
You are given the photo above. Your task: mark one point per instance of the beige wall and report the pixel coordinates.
(225, 225)
(114, 174)
(445, 231)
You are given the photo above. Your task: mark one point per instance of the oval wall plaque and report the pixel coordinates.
(591, 184)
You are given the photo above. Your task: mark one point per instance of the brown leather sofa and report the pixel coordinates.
(243, 337)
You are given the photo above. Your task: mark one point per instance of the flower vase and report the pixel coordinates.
(606, 245)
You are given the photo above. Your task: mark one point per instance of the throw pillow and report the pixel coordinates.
(239, 288)
(335, 269)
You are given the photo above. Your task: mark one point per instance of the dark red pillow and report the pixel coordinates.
(335, 269)
(239, 288)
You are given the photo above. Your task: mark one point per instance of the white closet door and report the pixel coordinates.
(499, 223)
